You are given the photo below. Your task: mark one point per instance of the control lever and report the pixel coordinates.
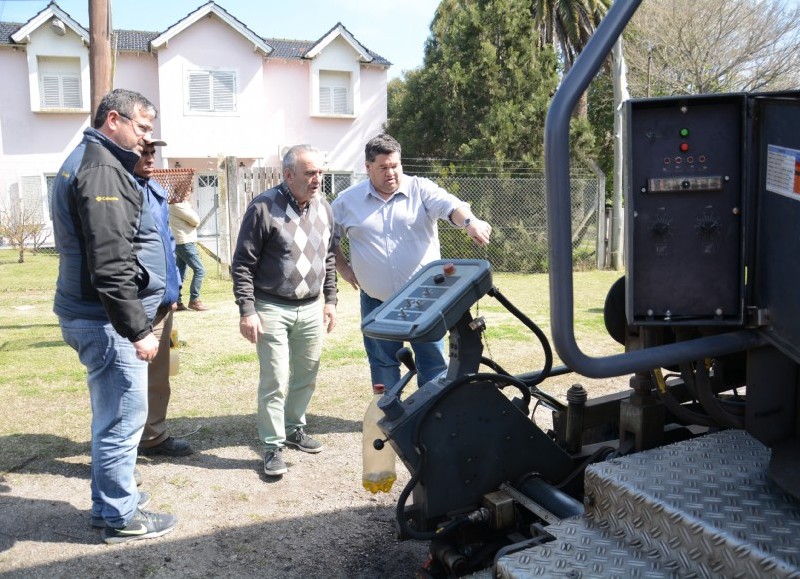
(406, 358)
(390, 402)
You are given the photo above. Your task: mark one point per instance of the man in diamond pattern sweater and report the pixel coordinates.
(283, 262)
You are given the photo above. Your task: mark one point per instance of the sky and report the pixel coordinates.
(395, 30)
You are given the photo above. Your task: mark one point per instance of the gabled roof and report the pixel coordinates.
(22, 35)
(144, 41)
(336, 32)
(6, 30)
(133, 40)
(222, 14)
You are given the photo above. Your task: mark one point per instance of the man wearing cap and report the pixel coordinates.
(156, 438)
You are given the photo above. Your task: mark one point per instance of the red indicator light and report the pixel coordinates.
(684, 147)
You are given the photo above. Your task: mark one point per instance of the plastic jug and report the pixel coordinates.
(379, 465)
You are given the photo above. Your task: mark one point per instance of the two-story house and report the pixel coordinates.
(221, 90)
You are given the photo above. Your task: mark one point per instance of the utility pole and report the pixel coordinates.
(99, 51)
(620, 96)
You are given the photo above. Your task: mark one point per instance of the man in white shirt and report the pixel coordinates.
(391, 221)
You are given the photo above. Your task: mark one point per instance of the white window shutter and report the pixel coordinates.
(340, 100)
(32, 198)
(212, 91)
(50, 95)
(199, 91)
(224, 91)
(325, 100)
(72, 92)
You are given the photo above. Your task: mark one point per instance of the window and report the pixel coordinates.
(60, 83)
(212, 91)
(334, 93)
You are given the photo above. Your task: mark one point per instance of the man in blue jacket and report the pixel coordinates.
(156, 438)
(111, 281)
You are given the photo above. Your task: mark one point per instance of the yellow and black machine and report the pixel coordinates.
(693, 471)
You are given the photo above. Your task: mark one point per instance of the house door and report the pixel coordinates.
(207, 196)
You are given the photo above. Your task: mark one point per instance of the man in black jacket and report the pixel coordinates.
(111, 280)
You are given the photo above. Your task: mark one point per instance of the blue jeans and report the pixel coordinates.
(186, 254)
(288, 357)
(118, 394)
(384, 367)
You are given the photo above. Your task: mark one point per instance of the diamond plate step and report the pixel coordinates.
(699, 508)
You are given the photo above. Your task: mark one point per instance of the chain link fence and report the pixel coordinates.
(515, 207)
(517, 211)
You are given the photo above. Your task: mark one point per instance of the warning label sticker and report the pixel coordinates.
(783, 171)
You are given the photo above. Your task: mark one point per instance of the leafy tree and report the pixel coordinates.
(566, 26)
(483, 90)
(713, 46)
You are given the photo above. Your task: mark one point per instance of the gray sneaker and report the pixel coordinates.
(143, 525)
(301, 441)
(100, 522)
(273, 462)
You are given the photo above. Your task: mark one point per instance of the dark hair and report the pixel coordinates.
(383, 144)
(290, 158)
(124, 102)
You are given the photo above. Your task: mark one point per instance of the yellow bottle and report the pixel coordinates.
(379, 465)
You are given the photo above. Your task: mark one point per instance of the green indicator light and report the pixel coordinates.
(684, 132)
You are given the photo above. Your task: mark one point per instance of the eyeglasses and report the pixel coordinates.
(138, 128)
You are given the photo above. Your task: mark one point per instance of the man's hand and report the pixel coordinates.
(250, 328)
(329, 317)
(480, 231)
(147, 348)
(348, 275)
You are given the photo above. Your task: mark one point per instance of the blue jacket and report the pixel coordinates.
(112, 262)
(158, 199)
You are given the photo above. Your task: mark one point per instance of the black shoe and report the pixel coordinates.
(100, 522)
(301, 441)
(273, 462)
(170, 447)
(143, 525)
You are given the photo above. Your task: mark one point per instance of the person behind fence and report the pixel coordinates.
(156, 438)
(282, 264)
(390, 221)
(184, 220)
(111, 279)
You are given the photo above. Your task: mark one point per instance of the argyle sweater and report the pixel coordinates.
(284, 254)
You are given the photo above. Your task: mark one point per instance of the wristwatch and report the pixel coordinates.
(467, 221)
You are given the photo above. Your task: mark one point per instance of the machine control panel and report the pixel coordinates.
(685, 211)
(431, 302)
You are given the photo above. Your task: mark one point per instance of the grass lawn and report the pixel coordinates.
(43, 385)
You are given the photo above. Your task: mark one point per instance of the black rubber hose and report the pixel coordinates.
(677, 409)
(548, 351)
(710, 403)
